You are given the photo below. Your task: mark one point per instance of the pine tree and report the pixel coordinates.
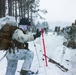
(2, 8)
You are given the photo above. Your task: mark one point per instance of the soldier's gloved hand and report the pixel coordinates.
(38, 34)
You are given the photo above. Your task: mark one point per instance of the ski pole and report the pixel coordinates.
(42, 33)
(3, 56)
(36, 53)
(62, 56)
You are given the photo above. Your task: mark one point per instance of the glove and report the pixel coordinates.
(38, 34)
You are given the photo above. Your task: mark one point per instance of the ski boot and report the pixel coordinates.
(24, 72)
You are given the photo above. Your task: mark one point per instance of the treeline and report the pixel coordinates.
(18, 8)
(2, 8)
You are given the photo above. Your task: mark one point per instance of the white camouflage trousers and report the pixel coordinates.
(12, 60)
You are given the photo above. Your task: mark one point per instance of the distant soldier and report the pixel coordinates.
(72, 43)
(75, 22)
(73, 30)
(55, 30)
(62, 30)
(58, 30)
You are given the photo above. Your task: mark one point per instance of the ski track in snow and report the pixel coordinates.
(54, 50)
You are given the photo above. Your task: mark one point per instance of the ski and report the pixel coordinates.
(57, 64)
(4, 56)
(62, 69)
(36, 73)
(32, 73)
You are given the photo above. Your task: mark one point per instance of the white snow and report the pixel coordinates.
(9, 20)
(54, 50)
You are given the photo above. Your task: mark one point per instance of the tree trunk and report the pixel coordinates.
(10, 7)
(16, 10)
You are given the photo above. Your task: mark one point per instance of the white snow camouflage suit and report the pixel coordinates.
(22, 54)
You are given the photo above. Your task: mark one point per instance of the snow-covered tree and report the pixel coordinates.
(38, 25)
(45, 24)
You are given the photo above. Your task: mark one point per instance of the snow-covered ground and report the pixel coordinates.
(54, 50)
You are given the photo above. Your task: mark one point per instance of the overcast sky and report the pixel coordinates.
(59, 10)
